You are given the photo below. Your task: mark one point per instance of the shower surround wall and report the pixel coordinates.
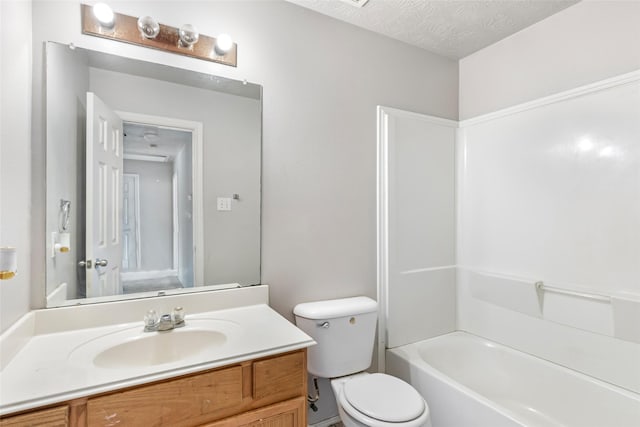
(533, 203)
(546, 191)
(552, 194)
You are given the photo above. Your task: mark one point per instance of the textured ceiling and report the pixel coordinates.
(452, 28)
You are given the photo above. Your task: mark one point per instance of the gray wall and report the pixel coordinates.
(156, 213)
(585, 43)
(322, 81)
(67, 87)
(15, 156)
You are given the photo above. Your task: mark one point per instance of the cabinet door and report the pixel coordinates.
(279, 378)
(291, 413)
(54, 417)
(184, 402)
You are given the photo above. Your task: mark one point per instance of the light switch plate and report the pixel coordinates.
(224, 203)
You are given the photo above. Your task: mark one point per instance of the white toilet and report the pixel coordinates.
(345, 332)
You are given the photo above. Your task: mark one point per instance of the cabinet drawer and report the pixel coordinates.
(290, 413)
(54, 417)
(183, 402)
(279, 378)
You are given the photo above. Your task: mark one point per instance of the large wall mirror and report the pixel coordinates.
(153, 178)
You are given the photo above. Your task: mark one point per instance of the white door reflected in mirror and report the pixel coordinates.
(104, 167)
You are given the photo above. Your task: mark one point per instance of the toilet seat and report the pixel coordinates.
(380, 400)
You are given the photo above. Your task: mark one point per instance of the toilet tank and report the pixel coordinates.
(344, 330)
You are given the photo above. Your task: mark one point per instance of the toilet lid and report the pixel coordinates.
(384, 398)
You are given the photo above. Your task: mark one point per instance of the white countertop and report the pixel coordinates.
(43, 371)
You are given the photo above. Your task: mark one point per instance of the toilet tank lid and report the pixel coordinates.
(334, 308)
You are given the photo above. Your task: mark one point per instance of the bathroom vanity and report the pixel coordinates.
(266, 391)
(251, 371)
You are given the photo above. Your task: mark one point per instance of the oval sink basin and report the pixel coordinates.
(159, 347)
(200, 340)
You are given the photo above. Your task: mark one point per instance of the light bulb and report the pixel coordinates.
(188, 35)
(224, 43)
(149, 27)
(104, 14)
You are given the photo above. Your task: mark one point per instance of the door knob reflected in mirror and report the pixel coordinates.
(88, 264)
(101, 262)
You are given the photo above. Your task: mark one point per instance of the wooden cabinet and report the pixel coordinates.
(53, 417)
(268, 392)
(279, 378)
(180, 402)
(290, 413)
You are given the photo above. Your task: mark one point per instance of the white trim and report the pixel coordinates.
(175, 229)
(418, 116)
(620, 80)
(140, 295)
(460, 159)
(150, 274)
(197, 149)
(426, 270)
(197, 156)
(382, 235)
(136, 184)
(327, 422)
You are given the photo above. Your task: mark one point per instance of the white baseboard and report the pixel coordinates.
(326, 423)
(151, 274)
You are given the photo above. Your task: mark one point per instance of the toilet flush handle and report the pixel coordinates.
(324, 325)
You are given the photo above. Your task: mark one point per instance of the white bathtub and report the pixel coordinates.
(470, 381)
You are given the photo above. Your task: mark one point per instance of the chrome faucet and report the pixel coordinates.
(166, 322)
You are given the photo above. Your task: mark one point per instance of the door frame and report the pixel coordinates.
(175, 221)
(136, 185)
(197, 177)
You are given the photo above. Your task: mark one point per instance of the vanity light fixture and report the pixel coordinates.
(105, 16)
(8, 262)
(224, 43)
(188, 35)
(101, 21)
(148, 27)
